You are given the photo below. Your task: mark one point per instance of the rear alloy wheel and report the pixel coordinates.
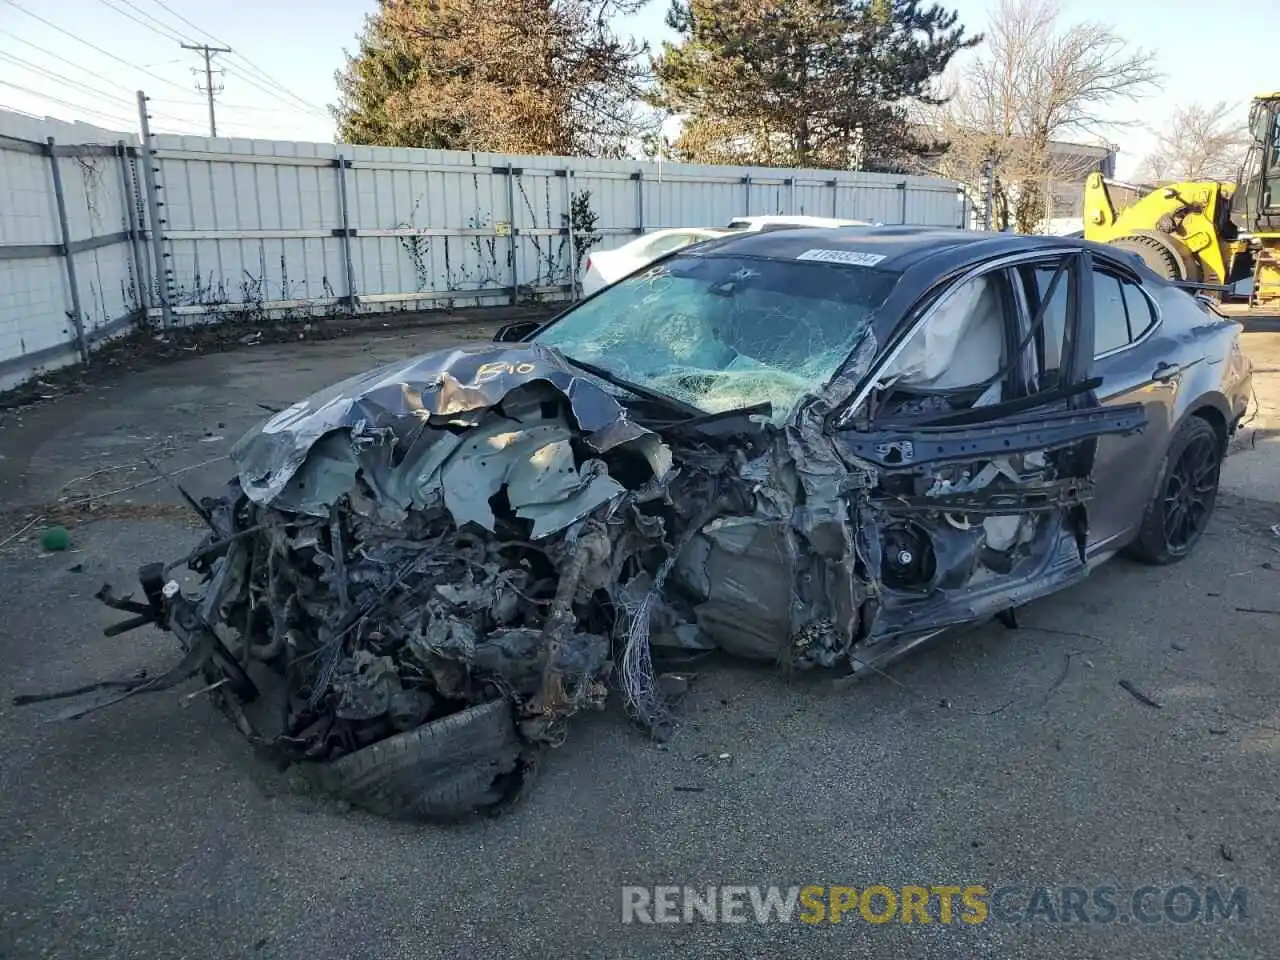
(1180, 510)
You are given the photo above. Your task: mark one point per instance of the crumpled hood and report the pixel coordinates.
(398, 427)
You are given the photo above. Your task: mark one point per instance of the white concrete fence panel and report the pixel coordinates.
(261, 229)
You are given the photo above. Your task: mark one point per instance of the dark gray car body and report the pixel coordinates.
(414, 564)
(1183, 361)
(1188, 363)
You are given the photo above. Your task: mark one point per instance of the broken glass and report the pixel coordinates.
(723, 333)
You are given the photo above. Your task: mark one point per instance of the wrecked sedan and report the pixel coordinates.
(816, 448)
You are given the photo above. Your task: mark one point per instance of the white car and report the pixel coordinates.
(780, 221)
(606, 266)
(609, 266)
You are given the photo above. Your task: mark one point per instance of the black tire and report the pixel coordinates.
(447, 770)
(1180, 508)
(1154, 254)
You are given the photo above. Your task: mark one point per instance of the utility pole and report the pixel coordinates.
(208, 53)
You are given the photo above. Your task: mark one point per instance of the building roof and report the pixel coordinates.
(1080, 158)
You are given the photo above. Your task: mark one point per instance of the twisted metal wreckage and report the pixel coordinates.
(419, 574)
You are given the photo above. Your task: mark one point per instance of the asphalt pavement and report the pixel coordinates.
(1000, 758)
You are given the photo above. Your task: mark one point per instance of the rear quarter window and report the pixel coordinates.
(1110, 317)
(1138, 309)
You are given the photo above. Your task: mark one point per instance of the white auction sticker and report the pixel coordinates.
(843, 256)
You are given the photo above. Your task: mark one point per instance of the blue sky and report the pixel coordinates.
(280, 78)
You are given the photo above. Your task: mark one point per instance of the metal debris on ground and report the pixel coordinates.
(1139, 695)
(20, 531)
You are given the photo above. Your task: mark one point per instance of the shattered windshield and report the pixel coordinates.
(723, 333)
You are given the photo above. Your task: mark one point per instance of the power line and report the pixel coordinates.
(165, 123)
(13, 109)
(261, 89)
(262, 77)
(65, 80)
(131, 66)
(149, 25)
(170, 118)
(50, 53)
(71, 82)
(168, 32)
(175, 13)
(262, 74)
(64, 103)
(229, 106)
(133, 6)
(267, 78)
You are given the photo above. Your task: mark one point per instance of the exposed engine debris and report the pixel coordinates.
(486, 524)
(418, 575)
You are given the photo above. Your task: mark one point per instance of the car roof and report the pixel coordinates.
(919, 256)
(900, 247)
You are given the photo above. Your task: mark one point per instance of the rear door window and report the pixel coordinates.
(1054, 328)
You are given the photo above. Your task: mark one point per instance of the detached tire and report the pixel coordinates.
(1180, 508)
(1154, 254)
(450, 769)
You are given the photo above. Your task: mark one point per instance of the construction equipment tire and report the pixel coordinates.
(1154, 254)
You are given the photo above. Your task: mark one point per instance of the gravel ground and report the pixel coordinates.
(1000, 757)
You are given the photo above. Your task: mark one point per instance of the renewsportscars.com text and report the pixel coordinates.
(817, 904)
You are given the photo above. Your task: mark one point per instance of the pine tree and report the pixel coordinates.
(803, 83)
(508, 76)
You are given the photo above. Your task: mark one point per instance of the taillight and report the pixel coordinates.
(588, 262)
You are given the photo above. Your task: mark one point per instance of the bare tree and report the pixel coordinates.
(1035, 81)
(1200, 142)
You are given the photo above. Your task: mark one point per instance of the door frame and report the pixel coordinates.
(1078, 354)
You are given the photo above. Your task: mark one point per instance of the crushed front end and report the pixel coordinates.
(441, 562)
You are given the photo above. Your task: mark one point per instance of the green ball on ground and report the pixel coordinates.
(55, 538)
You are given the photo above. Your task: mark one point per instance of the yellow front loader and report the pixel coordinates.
(1205, 233)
